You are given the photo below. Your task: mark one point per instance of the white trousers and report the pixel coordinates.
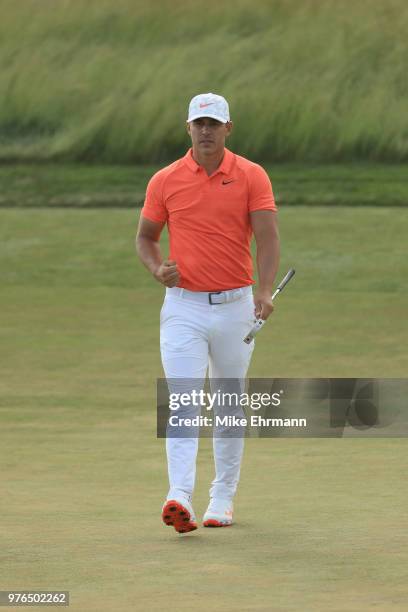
(195, 336)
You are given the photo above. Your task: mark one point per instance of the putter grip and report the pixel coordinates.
(260, 322)
(285, 280)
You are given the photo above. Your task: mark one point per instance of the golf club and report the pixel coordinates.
(260, 322)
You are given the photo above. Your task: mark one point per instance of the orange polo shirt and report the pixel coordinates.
(208, 218)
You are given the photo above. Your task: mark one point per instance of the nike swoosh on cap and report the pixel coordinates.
(208, 104)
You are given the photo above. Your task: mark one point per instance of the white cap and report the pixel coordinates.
(209, 105)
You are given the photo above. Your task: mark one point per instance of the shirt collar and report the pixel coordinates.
(224, 167)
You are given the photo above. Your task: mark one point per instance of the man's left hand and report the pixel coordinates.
(263, 304)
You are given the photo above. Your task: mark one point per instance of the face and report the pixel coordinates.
(208, 135)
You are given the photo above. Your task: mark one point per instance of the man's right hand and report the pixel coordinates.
(167, 273)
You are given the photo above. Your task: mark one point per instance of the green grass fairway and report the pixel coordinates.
(321, 525)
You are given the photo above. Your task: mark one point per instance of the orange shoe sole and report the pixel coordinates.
(214, 523)
(176, 515)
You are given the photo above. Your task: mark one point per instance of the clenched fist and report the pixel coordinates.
(167, 273)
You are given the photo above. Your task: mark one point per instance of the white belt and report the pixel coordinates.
(210, 297)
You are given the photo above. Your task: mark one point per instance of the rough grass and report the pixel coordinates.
(96, 186)
(110, 81)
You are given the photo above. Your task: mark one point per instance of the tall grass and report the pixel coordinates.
(110, 80)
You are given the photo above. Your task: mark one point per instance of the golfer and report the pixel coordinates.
(212, 201)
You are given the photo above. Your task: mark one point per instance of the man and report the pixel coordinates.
(212, 201)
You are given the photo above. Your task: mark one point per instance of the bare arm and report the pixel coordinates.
(265, 227)
(148, 250)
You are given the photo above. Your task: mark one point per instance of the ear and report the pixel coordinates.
(188, 128)
(228, 126)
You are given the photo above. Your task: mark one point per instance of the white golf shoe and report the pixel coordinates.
(179, 514)
(219, 513)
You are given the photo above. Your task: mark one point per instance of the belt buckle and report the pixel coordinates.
(210, 297)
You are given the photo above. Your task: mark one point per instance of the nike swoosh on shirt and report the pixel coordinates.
(228, 182)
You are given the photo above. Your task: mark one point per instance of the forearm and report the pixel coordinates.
(149, 253)
(267, 259)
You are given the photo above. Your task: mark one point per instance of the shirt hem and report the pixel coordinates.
(201, 290)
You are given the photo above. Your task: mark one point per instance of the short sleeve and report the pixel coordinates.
(154, 207)
(260, 190)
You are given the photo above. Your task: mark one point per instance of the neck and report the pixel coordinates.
(210, 162)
